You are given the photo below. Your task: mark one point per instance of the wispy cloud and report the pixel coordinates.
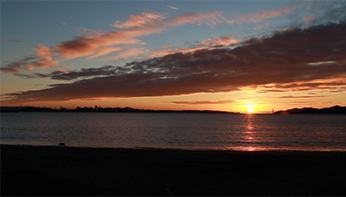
(265, 26)
(202, 102)
(290, 96)
(104, 51)
(265, 14)
(14, 41)
(99, 43)
(254, 62)
(160, 25)
(141, 20)
(129, 53)
(173, 8)
(309, 18)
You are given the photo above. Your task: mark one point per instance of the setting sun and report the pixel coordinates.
(249, 110)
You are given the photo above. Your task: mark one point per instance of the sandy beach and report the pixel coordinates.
(41, 170)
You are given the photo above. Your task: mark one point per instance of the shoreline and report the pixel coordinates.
(53, 170)
(186, 149)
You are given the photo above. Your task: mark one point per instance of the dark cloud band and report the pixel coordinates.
(295, 55)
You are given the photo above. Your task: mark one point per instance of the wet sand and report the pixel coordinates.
(40, 170)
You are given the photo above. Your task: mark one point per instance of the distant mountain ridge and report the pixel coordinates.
(309, 110)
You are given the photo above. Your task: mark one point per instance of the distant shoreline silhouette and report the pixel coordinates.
(100, 109)
(307, 110)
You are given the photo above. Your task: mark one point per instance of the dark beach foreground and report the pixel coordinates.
(33, 170)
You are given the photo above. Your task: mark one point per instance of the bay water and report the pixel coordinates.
(192, 131)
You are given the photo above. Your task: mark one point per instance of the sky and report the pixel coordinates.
(174, 55)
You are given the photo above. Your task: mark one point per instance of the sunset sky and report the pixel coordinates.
(174, 55)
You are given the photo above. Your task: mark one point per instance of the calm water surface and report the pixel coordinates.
(177, 130)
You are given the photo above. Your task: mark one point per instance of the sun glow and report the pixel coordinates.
(249, 110)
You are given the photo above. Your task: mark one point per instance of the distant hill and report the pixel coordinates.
(309, 110)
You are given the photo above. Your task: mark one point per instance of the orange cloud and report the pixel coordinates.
(100, 43)
(45, 62)
(138, 20)
(29, 67)
(42, 50)
(87, 45)
(149, 23)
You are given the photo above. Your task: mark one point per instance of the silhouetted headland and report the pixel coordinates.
(309, 110)
(100, 109)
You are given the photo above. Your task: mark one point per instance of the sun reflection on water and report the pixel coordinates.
(249, 134)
